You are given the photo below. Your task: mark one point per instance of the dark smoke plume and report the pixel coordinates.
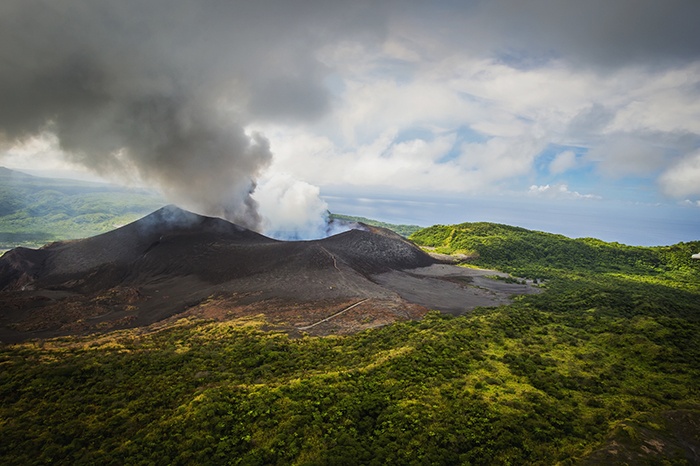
(164, 90)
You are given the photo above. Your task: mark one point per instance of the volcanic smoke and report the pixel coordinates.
(163, 91)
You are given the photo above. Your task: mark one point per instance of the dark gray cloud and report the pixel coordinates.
(166, 88)
(594, 33)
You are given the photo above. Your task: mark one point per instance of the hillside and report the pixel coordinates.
(602, 368)
(538, 254)
(403, 230)
(36, 210)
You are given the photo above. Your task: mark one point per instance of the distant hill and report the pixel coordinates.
(403, 230)
(538, 254)
(36, 210)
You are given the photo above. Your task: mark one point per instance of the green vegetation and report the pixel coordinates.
(35, 211)
(403, 230)
(610, 352)
(536, 254)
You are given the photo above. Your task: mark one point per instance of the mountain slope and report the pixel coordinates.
(173, 260)
(403, 230)
(538, 254)
(36, 210)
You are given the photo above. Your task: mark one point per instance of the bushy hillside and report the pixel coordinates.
(539, 254)
(586, 274)
(35, 210)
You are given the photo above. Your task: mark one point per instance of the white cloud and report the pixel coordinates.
(412, 165)
(39, 150)
(563, 162)
(683, 178)
(367, 109)
(665, 101)
(41, 155)
(500, 158)
(632, 120)
(513, 114)
(558, 191)
(625, 155)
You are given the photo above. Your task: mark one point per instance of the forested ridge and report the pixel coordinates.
(601, 368)
(533, 253)
(35, 210)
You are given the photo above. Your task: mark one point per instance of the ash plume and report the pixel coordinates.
(163, 91)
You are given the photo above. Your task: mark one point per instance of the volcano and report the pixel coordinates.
(173, 263)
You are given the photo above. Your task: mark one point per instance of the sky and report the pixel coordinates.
(580, 118)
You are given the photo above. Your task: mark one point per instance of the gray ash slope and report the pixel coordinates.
(173, 242)
(173, 261)
(375, 250)
(112, 258)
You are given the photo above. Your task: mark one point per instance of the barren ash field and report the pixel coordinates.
(173, 264)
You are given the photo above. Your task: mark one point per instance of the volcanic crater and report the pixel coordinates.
(173, 263)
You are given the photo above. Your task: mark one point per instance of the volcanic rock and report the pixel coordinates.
(173, 262)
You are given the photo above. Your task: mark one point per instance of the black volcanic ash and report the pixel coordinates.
(173, 261)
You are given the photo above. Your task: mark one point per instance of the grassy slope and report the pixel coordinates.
(537, 254)
(35, 210)
(635, 309)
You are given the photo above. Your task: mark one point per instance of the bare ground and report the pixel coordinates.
(451, 289)
(174, 263)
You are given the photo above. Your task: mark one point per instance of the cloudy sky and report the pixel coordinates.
(580, 118)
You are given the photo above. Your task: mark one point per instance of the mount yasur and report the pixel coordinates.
(173, 263)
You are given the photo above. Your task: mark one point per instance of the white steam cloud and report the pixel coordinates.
(292, 209)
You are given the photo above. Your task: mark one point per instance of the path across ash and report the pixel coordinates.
(307, 327)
